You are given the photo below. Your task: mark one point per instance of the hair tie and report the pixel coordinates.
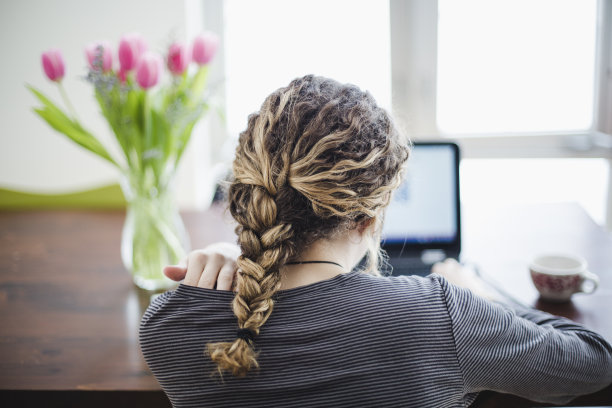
(247, 335)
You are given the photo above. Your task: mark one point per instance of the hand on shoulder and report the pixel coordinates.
(211, 267)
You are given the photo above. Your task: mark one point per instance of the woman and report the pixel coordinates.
(313, 173)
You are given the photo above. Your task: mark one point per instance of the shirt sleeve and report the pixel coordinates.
(527, 353)
(157, 303)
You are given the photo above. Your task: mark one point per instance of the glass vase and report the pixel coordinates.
(153, 234)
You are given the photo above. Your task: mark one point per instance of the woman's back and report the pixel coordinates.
(360, 340)
(313, 173)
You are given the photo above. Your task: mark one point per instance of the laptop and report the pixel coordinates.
(422, 224)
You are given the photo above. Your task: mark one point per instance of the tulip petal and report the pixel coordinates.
(53, 64)
(148, 70)
(131, 47)
(178, 59)
(205, 47)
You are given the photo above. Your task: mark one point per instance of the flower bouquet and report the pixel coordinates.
(152, 124)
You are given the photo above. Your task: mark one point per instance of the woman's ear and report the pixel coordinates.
(361, 230)
(365, 224)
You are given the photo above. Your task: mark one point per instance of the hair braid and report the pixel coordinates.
(263, 240)
(318, 159)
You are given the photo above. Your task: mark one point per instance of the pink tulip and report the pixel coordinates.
(131, 47)
(53, 64)
(204, 47)
(178, 58)
(92, 51)
(148, 70)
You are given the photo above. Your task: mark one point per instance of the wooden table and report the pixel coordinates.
(502, 242)
(69, 313)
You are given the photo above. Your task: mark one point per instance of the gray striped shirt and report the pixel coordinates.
(362, 341)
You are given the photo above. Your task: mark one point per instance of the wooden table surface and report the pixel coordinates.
(502, 242)
(69, 313)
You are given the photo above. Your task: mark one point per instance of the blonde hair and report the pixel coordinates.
(317, 159)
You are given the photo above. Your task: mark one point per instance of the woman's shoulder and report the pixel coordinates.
(424, 285)
(403, 290)
(351, 290)
(364, 283)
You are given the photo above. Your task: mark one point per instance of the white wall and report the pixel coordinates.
(33, 157)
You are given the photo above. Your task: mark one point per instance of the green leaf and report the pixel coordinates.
(197, 85)
(134, 109)
(115, 123)
(59, 121)
(161, 135)
(184, 127)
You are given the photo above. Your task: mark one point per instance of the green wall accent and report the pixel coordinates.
(107, 197)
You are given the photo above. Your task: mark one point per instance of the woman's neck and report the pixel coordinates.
(344, 252)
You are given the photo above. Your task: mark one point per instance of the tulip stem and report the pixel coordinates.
(67, 101)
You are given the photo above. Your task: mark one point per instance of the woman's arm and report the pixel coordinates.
(524, 352)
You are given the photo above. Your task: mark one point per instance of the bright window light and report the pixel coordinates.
(270, 42)
(515, 66)
(496, 183)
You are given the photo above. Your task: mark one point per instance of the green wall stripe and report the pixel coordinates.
(107, 197)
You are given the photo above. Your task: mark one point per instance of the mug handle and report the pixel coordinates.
(588, 276)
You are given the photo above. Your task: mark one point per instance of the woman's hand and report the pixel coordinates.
(464, 277)
(211, 267)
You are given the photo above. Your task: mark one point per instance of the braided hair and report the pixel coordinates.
(318, 159)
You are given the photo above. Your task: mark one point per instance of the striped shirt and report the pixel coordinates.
(362, 341)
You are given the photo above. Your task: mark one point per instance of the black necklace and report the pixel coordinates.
(314, 262)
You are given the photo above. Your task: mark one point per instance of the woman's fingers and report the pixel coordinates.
(196, 261)
(175, 272)
(225, 280)
(213, 266)
(208, 278)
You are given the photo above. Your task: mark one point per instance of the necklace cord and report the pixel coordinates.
(314, 262)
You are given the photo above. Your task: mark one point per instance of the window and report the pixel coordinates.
(516, 66)
(496, 183)
(529, 78)
(270, 42)
(453, 68)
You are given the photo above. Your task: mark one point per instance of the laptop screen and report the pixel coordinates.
(424, 212)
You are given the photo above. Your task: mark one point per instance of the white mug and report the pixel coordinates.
(557, 277)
